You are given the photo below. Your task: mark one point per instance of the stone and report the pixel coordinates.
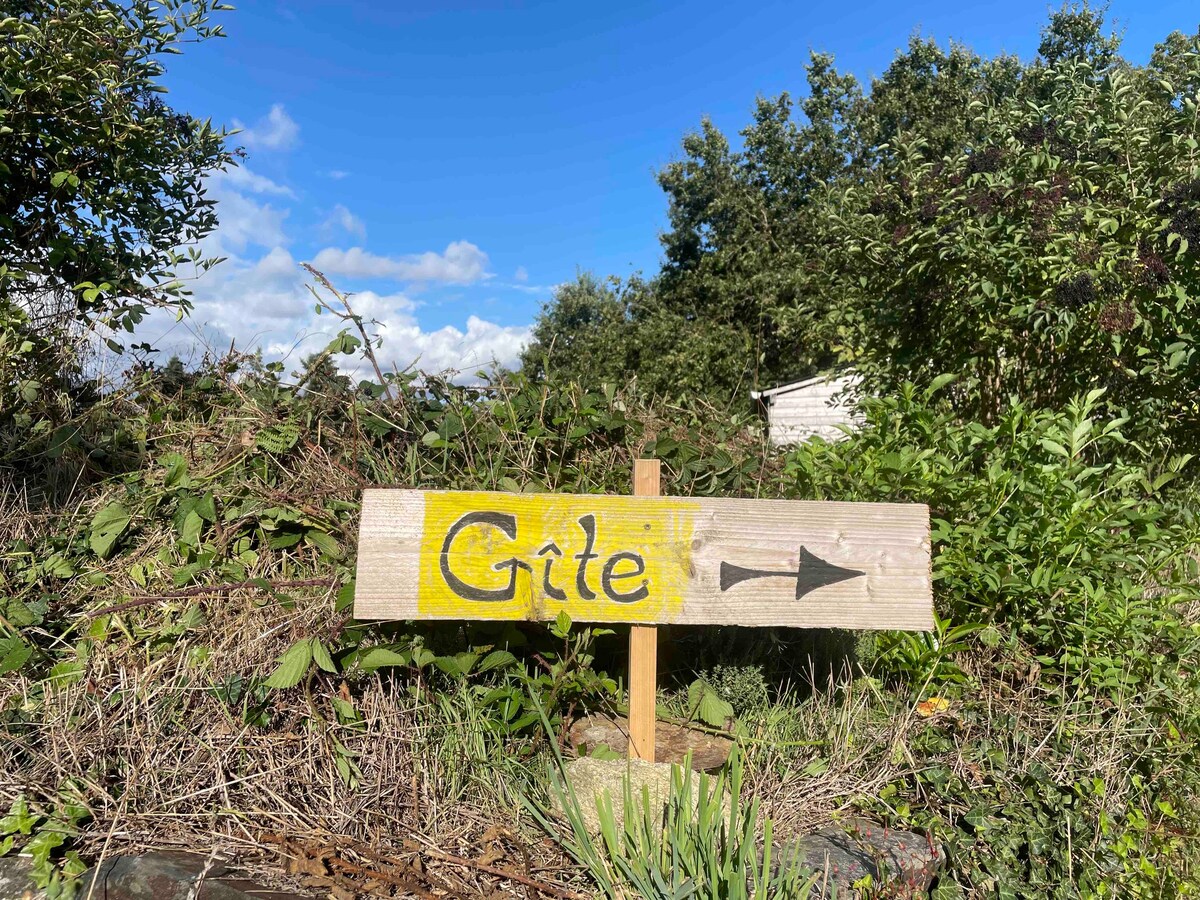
(671, 742)
(592, 778)
(166, 875)
(16, 879)
(903, 862)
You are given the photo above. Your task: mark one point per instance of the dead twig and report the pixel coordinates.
(546, 888)
(338, 862)
(254, 583)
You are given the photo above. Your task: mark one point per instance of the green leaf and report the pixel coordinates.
(713, 710)
(940, 382)
(292, 665)
(67, 672)
(58, 566)
(497, 659)
(321, 656)
(423, 656)
(706, 705)
(277, 439)
(381, 658)
(449, 665)
(323, 542)
(19, 819)
(818, 766)
(1055, 447)
(17, 612)
(189, 532)
(14, 653)
(603, 751)
(177, 468)
(107, 526)
(562, 624)
(206, 508)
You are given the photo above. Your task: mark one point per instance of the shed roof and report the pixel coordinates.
(799, 385)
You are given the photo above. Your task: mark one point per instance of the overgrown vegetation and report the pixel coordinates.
(178, 662)
(1030, 225)
(1059, 757)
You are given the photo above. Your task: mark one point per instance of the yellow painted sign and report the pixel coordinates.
(537, 554)
(488, 555)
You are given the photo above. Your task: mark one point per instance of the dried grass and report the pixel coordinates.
(144, 742)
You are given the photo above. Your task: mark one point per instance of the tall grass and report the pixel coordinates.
(700, 844)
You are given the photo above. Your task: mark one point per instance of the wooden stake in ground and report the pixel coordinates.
(643, 644)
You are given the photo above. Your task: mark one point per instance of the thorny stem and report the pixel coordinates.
(349, 315)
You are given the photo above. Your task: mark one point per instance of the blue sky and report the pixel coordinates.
(452, 161)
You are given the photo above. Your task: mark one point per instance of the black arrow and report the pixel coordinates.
(811, 573)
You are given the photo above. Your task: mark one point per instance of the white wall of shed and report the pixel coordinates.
(811, 411)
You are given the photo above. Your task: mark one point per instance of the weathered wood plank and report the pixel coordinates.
(643, 643)
(486, 555)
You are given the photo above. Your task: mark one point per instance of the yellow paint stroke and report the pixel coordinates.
(659, 531)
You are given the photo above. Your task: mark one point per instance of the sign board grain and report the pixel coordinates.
(648, 560)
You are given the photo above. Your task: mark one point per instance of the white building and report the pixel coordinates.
(813, 407)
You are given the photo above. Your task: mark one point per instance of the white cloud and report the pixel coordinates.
(266, 303)
(521, 274)
(337, 174)
(259, 297)
(461, 263)
(275, 131)
(243, 222)
(406, 344)
(242, 179)
(341, 218)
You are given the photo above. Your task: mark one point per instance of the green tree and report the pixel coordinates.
(102, 198)
(583, 333)
(101, 180)
(1055, 255)
(1029, 225)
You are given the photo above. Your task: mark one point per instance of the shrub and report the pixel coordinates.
(1066, 761)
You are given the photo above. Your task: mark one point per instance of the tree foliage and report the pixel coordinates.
(101, 182)
(1029, 225)
(1056, 254)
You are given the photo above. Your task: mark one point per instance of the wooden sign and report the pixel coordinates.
(645, 560)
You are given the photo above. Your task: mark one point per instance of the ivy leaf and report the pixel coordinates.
(292, 665)
(107, 526)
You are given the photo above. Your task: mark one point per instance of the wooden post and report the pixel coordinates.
(643, 644)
